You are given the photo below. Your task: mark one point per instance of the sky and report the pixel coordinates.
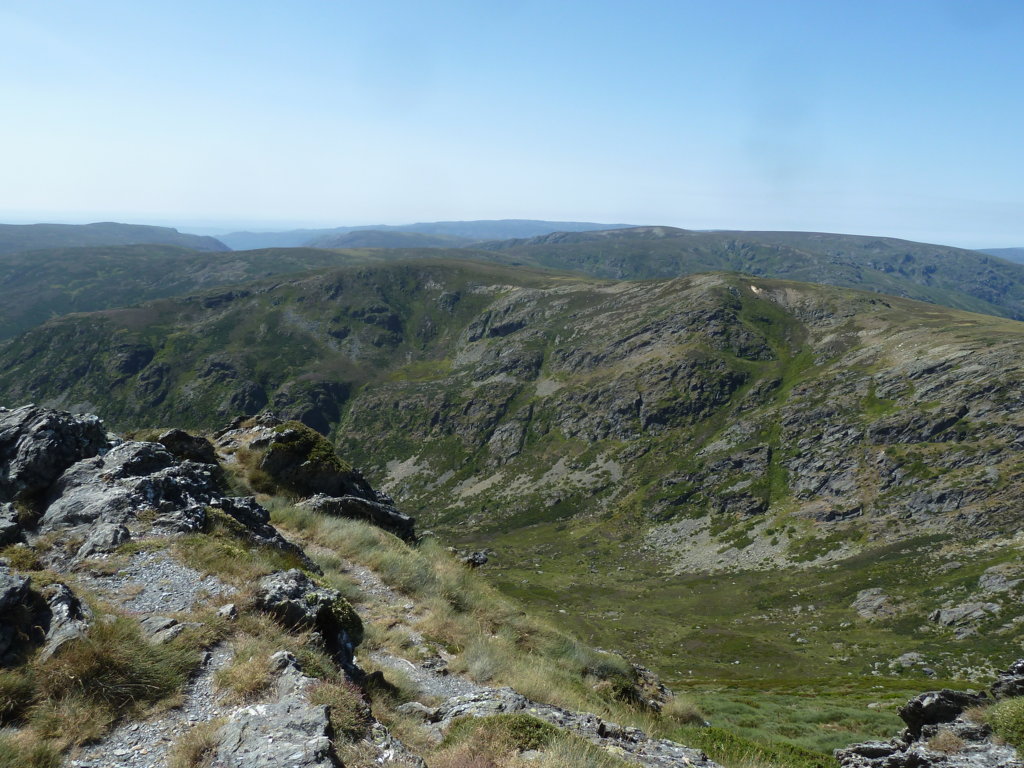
(902, 118)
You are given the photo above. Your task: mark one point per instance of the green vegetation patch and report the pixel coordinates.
(516, 731)
(1007, 720)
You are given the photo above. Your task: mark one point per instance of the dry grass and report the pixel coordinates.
(349, 713)
(27, 750)
(195, 749)
(487, 637)
(947, 742)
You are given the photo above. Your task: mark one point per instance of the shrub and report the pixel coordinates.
(1007, 720)
(21, 557)
(515, 731)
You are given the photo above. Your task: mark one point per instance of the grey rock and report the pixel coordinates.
(103, 537)
(873, 604)
(475, 559)
(354, 507)
(190, 447)
(13, 589)
(629, 744)
(163, 629)
(286, 731)
(10, 527)
(416, 709)
(296, 602)
(998, 579)
(38, 444)
(256, 520)
(228, 611)
(131, 478)
(964, 614)
(936, 707)
(1010, 682)
(69, 619)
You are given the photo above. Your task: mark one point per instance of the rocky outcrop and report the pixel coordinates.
(626, 743)
(38, 444)
(190, 447)
(47, 619)
(939, 733)
(297, 602)
(873, 604)
(936, 707)
(284, 731)
(381, 514)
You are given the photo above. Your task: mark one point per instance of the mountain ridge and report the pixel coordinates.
(19, 238)
(471, 230)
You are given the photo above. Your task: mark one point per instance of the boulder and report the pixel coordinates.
(873, 604)
(299, 603)
(286, 731)
(380, 514)
(303, 461)
(189, 447)
(937, 707)
(38, 444)
(245, 511)
(131, 478)
(103, 537)
(965, 614)
(999, 578)
(13, 589)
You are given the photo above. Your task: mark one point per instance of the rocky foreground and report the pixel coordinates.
(94, 527)
(97, 531)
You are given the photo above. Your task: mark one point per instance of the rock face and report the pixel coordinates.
(286, 731)
(939, 735)
(38, 444)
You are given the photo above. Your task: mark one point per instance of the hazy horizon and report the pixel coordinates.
(876, 118)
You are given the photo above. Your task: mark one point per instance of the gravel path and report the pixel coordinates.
(145, 744)
(155, 583)
(431, 675)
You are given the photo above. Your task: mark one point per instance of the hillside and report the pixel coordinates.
(1010, 254)
(16, 238)
(953, 277)
(768, 463)
(39, 285)
(470, 231)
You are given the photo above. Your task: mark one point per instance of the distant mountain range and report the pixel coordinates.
(17, 238)
(940, 274)
(464, 231)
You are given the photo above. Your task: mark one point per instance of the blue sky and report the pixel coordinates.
(900, 118)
